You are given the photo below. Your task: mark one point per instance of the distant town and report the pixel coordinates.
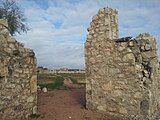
(43, 70)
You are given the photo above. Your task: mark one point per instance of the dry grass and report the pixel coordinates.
(55, 81)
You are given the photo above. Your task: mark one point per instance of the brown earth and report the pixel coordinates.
(69, 84)
(66, 105)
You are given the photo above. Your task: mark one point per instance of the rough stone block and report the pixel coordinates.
(33, 83)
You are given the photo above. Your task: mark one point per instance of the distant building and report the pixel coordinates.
(43, 70)
(70, 71)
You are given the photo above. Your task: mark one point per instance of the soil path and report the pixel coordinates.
(66, 105)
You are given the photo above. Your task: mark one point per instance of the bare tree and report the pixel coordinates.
(10, 11)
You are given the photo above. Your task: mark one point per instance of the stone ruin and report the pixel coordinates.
(18, 80)
(121, 73)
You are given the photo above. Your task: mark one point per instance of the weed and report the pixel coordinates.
(73, 80)
(55, 85)
(34, 116)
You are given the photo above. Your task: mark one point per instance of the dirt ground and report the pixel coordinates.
(66, 105)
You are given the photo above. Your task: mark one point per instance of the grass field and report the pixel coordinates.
(54, 81)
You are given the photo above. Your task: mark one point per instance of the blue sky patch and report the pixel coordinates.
(57, 24)
(59, 27)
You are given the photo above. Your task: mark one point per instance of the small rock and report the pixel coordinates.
(123, 110)
(146, 74)
(120, 48)
(34, 110)
(102, 10)
(138, 67)
(139, 75)
(147, 46)
(44, 89)
(107, 87)
(92, 60)
(131, 44)
(30, 99)
(129, 50)
(117, 93)
(31, 53)
(101, 108)
(142, 48)
(10, 86)
(95, 17)
(33, 83)
(16, 52)
(129, 57)
(138, 95)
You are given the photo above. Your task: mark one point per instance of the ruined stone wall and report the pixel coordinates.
(18, 81)
(121, 74)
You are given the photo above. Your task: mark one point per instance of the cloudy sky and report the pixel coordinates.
(59, 27)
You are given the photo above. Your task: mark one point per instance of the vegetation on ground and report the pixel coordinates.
(34, 116)
(79, 77)
(56, 81)
(74, 81)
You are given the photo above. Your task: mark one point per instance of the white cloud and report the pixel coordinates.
(63, 46)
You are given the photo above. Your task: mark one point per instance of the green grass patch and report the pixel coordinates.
(74, 81)
(76, 77)
(34, 116)
(45, 76)
(57, 83)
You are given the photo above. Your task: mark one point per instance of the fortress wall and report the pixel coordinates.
(18, 80)
(121, 73)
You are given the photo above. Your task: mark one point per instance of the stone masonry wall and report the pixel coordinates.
(121, 74)
(18, 80)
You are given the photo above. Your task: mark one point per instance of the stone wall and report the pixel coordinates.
(18, 80)
(121, 74)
